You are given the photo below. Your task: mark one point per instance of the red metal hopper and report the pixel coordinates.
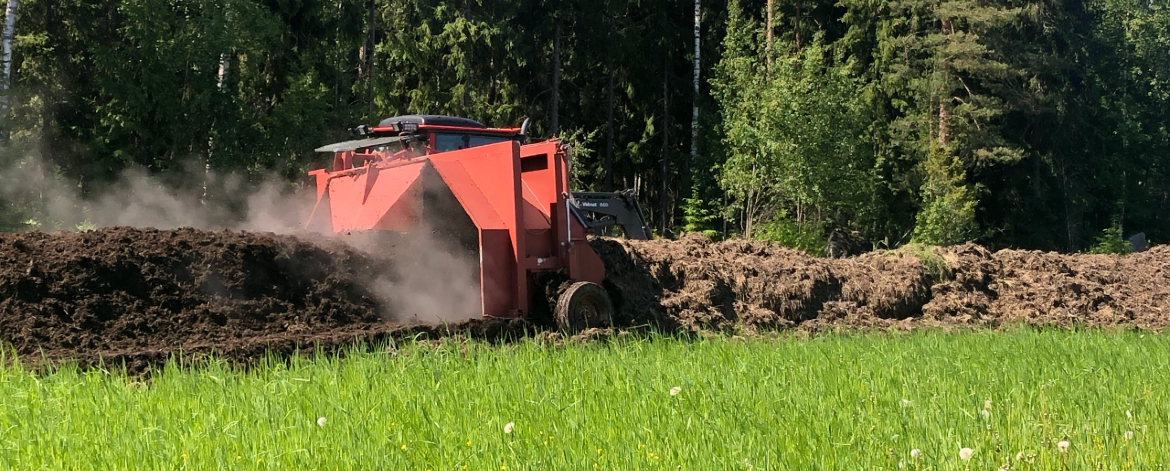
(484, 192)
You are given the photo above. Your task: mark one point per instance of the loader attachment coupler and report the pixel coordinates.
(601, 211)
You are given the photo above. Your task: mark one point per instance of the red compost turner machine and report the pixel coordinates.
(488, 193)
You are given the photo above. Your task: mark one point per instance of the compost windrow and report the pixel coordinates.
(139, 296)
(697, 284)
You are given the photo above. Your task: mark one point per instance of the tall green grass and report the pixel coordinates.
(832, 402)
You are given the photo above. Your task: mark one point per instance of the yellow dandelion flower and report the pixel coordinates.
(599, 452)
(503, 467)
(184, 455)
(469, 443)
(238, 457)
(546, 442)
(403, 446)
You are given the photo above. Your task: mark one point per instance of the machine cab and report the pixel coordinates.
(411, 136)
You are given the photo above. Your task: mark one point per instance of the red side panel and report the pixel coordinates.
(486, 181)
(376, 199)
(497, 273)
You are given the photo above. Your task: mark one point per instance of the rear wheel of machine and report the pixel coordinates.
(583, 305)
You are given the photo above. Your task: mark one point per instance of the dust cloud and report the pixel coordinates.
(189, 197)
(423, 278)
(429, 279)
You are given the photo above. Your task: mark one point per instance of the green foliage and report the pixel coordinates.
(1111, 241)
(447, 406)
(948, 213)
(794, 137)
(1014, 123)
(806, 236)
(701, 216)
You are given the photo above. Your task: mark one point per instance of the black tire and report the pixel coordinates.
(583, 305)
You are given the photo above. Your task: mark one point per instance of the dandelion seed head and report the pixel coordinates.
(986, 414)
(1063, 446)
(901, 464)
(1128, 414)
(966, 454)
(987, 404)
(905, 403)
(509, 426)
(915, 453)
(1020, 456)
(675, 390)
(1129, 434)
(321, 422)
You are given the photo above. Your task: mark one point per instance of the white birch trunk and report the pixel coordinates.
(9, 34)
(695, 106)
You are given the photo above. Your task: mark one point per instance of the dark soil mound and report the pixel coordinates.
(1051, 288)
(696, 284)
(127, 292)
(140, 295)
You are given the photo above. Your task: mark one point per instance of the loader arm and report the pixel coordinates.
(602, 210)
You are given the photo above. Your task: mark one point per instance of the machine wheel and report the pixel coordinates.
(583, 305)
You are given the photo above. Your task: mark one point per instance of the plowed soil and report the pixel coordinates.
(697, 284)
(136, 296)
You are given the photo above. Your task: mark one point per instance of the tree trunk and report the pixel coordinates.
(370, 35)
(663, 199)
(796, 29)
(768, 39)
(609, 137)
(695, 105)
(1066, 190)
(554, 107)
(9, 33)
(943, 114)
(943, 123)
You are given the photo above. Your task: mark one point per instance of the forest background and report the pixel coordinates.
(1014, 123)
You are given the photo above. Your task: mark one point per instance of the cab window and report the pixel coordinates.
(451, 141)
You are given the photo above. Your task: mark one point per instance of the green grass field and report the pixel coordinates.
(830, 402)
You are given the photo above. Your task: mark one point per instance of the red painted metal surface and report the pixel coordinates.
(514, 196)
